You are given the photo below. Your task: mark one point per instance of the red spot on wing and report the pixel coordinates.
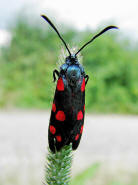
(84, 107)
(54, 107)
(52, 129)
(79, 115)
(60, 116)
(77, 137)
(60, 85)
(83, 85)
(58, 138)
(81, 130)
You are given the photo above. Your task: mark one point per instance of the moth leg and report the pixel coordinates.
(87, 78)
(55, 72)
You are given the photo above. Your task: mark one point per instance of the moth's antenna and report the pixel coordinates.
(93, 38)
(52, 25)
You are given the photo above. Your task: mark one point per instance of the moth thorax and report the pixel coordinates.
(73, 74)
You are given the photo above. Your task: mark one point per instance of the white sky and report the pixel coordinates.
(82, 14)
(88, 13)
(91, 13)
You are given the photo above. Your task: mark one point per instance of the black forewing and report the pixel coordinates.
(70, 101)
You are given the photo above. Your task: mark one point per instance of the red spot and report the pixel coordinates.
(81, 130)
(77, 137)
(60, 116)
(79, 115)
(83, 85)
(60, 85)
(59, 139)
(54, 107)
(52, 129)
(84, 108)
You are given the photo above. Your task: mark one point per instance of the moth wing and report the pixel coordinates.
(51, 142)
(78, 129)
(56, 139)
(75, 143)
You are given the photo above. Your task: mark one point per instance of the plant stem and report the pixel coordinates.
(58, 166)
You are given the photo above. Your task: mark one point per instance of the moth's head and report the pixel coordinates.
(72, 70)
(71, 59)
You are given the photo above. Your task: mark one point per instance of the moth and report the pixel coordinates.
(68, 108)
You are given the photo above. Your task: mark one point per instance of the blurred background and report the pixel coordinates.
(29, 52)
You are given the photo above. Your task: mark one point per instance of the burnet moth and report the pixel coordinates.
(68, 109)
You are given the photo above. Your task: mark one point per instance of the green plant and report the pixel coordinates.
(58, 166)
(83, 177)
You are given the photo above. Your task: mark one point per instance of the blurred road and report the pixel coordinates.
(109, 139)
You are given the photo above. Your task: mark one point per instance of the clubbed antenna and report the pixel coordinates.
(52, 25)
(93, 38)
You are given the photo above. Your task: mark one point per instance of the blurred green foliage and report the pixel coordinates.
(95, 174)
(26, 67)
(86, 175)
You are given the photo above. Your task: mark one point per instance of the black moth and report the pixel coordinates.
(68, 109)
